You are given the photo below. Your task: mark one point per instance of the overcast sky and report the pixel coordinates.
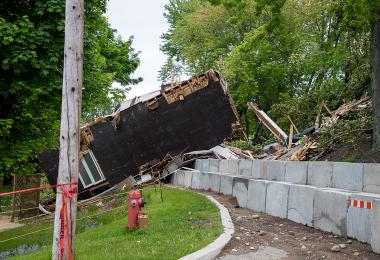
(144, 20)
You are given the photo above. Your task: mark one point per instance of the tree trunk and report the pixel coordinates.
(375, 64)
(1, 188)
(70, 119)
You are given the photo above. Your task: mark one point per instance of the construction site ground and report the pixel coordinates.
(261, 236)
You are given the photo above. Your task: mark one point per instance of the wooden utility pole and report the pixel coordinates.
(70, 120)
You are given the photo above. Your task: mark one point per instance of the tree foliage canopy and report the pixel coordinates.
(286, 55)
(31, 66)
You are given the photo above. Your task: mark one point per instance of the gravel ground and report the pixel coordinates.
(256, 232)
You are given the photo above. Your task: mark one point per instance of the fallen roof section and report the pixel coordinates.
(196, 114)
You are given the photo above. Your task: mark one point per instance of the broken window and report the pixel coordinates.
(89, 170)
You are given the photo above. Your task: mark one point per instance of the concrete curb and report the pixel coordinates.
(211, 251)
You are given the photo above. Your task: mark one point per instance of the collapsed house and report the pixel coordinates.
(196, 114)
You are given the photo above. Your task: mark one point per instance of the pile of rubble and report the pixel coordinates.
(304, 146)
(299, 146)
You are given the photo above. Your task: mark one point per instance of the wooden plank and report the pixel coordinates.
(294, 126)
(290, 137)
(272, 126)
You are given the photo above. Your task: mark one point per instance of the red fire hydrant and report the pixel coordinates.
(135, 203)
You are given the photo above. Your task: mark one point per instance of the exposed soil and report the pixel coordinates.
(360, 151)
(254, 230)
(5, 223)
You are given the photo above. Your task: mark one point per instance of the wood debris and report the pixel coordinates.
(295, 149)
(300, 155)
(344, 109)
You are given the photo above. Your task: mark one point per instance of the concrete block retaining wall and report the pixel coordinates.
(296, 172)
(301, 204)
(371, 180)
(213, 165)
(259, 169)
(257, 189)
(347, 176)
(275, 171)
(375, 227)
(276, 202)
(226, 184)
(330, 210)
(311, 193)
(214, 182)
(319, 174)
(359, 220)
(240, 190)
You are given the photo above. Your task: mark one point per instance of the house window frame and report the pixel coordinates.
(88, 171)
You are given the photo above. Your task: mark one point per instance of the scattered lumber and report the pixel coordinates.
(334, 117)
(300, 155)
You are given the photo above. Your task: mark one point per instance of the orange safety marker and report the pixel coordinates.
(360, 204)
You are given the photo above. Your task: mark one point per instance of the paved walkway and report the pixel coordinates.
(5, 223)
(263, 253)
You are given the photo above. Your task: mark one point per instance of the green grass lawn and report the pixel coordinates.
(183, 223)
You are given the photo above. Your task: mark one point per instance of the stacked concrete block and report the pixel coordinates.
(180, 178)
(240, 190)
(202, 165)
(371, 178)
(214, 165)
(214, 181)
(198, 164)
(276, 170)
(229, 166)
(188, 175)
(301, 204)
(196, 180)
(257, 191)
(174, 178)
(233, 166)
(319, 174)
(226, 184)
(204, 180)
(330, 210)
(348, 176)
(375, 228)
(223, 166)
(259, 168)
(277, 199)
(359, 219)
(296, 172)
(245, 167)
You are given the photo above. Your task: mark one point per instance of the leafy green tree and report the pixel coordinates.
(31, 64)
(288, 56)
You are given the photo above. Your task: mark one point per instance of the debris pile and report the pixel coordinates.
(301, 146)
(304, 146)
(155, 172)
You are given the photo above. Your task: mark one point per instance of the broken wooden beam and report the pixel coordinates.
(269, 123)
